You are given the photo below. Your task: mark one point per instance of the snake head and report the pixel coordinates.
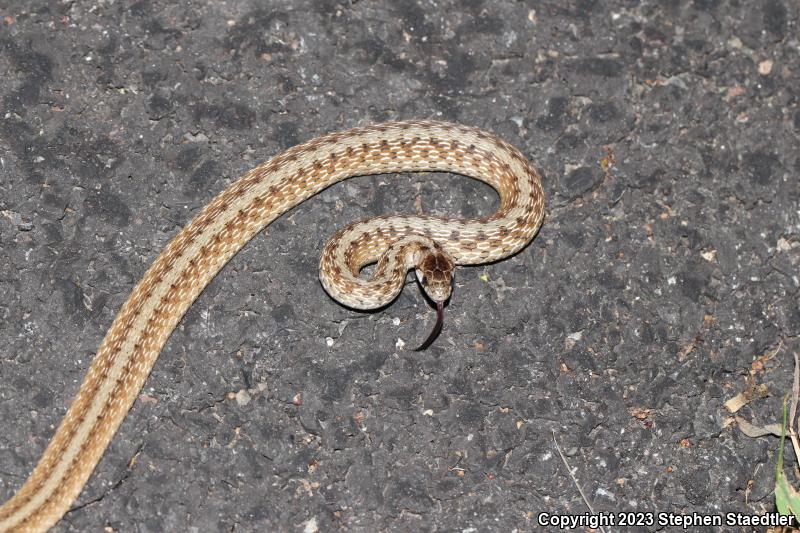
(435, 273)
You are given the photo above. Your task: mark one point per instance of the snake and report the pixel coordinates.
(429, 245)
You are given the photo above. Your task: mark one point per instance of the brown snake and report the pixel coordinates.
(430, 245)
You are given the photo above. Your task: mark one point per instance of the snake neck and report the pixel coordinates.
(346, 284)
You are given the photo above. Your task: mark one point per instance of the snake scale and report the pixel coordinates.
(430, 245)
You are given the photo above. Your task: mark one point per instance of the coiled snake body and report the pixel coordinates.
(430, 245)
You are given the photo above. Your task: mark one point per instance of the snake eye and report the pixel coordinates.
(422, 280)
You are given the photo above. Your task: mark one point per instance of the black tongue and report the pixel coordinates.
(436, 329)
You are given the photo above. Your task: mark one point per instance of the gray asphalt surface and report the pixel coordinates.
(667, 133)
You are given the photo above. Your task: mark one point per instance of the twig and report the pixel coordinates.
(574, 479)
(795, 391)
(793, 408)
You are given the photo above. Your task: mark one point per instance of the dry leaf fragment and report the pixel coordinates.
(754, 431)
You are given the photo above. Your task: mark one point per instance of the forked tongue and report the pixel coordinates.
(436, 329)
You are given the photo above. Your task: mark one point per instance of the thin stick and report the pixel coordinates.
(574, 479)
(793, 408)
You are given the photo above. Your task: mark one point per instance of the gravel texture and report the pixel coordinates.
(665, 275)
